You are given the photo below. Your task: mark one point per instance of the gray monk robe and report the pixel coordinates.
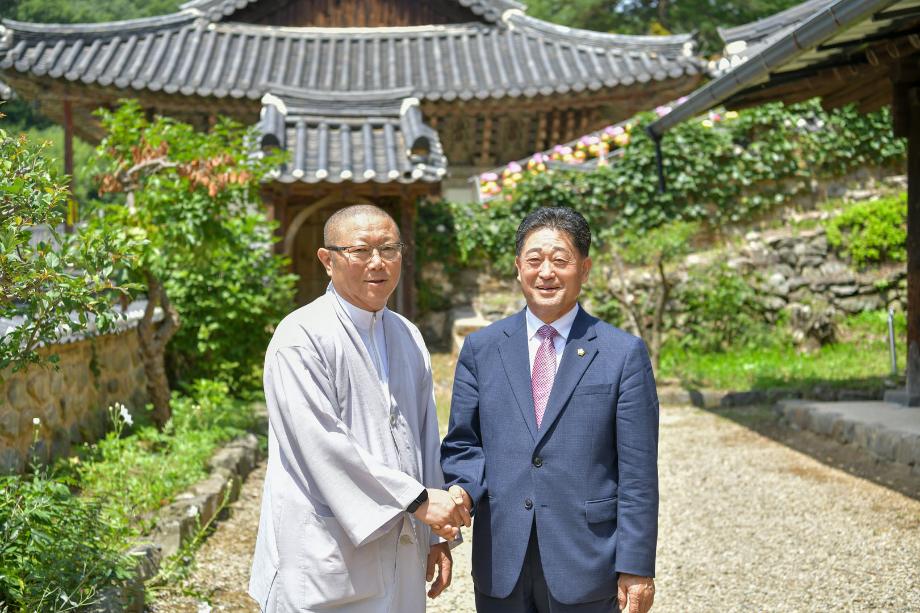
(353, 438)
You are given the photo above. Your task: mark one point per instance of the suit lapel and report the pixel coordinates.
(571, 368)
(516, 359)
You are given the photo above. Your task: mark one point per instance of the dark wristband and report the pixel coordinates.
(415, 504)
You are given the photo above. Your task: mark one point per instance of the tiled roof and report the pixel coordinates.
(756, 31)
(747, 40)
(343, 137)
(833, 36)
(491, 10)
(188, 54)
(130, 318)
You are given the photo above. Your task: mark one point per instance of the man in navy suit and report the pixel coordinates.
(553, 442)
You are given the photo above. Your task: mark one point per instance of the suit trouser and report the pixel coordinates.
(532, 595)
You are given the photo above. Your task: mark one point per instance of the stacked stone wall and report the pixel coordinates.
(70, 400)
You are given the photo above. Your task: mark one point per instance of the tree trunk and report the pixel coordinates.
(153, 339)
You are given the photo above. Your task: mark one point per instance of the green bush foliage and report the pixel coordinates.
(193, 198)
(137, 469)
(55, 552)
(721, 312)
(43, 281)
(719, 171)
(872, 232)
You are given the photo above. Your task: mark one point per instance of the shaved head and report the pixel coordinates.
(332, 231)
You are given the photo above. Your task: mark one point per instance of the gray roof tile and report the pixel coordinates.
(336, 137)
(519, 56)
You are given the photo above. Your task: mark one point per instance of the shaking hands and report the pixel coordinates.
(446, 511)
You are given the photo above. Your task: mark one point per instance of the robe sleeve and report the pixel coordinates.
(321, 453)
(431, 444)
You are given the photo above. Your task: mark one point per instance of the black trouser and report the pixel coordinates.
(531, 595)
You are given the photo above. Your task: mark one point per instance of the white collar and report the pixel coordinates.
(361, 318)
(563, 325)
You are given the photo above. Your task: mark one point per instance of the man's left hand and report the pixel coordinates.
(439, 556)
(636, 592)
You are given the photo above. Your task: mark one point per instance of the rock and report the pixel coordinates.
(17, 394)
(38, 385)
(844, 290)
(9, 423)
(11, 461)
(858, 304)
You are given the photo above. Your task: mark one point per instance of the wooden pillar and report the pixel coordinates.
(906, 117)
(68, 164)
(913, 249)
(407, 217)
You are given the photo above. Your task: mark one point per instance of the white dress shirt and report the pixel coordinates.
(563, 326)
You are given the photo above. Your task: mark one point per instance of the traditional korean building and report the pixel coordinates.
(860, 52)
(370, 97)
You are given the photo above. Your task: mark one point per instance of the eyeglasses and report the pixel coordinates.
(388, 252)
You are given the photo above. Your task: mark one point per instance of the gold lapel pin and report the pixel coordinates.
(581, 352)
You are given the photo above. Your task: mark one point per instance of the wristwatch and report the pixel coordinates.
(415, 504)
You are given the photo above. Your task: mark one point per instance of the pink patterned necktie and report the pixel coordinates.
(544, 371)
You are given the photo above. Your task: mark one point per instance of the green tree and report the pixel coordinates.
(657, 16)
(83, 11)
(185, 195)
(647, 303)
(47, 275)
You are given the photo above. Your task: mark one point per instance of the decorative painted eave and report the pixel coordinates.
(348, 137)
(188, 54)
(218, 10)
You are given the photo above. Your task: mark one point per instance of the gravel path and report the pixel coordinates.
(747, 524)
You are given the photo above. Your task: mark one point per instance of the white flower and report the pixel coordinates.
(36, 421)
(125, 414)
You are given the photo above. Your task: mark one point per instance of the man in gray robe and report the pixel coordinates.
(353, 478)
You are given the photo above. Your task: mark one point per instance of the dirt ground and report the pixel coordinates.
(754, 517)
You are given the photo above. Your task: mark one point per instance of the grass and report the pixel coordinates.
(859, 360)
(136, 469)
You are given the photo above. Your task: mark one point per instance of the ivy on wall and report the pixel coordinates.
(722, 168)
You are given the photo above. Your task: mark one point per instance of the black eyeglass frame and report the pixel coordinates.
(348, 249)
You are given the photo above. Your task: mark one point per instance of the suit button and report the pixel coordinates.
(528, 504)
(392, 419)
(538, 461)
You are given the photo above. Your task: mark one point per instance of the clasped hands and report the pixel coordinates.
(446, 511)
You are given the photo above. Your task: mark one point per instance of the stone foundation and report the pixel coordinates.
(70, 399)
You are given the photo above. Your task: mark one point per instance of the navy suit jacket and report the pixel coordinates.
(588, 476)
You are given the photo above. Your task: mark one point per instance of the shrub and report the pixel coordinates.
(721, 311)
(55, 552)
(137, 473)
(722, 169)
(872, 232)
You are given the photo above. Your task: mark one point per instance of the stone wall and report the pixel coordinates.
(792, 271)
(71, 400)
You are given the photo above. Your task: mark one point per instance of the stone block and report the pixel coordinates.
(823, 423)
(842, 431)
(17, 394)
(38, 385)
(883, 443)
(9, 423)
(12, 461)
(58, 389)
(907, 450)
(861, 435)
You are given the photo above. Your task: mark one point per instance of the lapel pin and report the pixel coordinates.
(581, 352)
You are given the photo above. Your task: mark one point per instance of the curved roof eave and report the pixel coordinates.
(758, 30)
